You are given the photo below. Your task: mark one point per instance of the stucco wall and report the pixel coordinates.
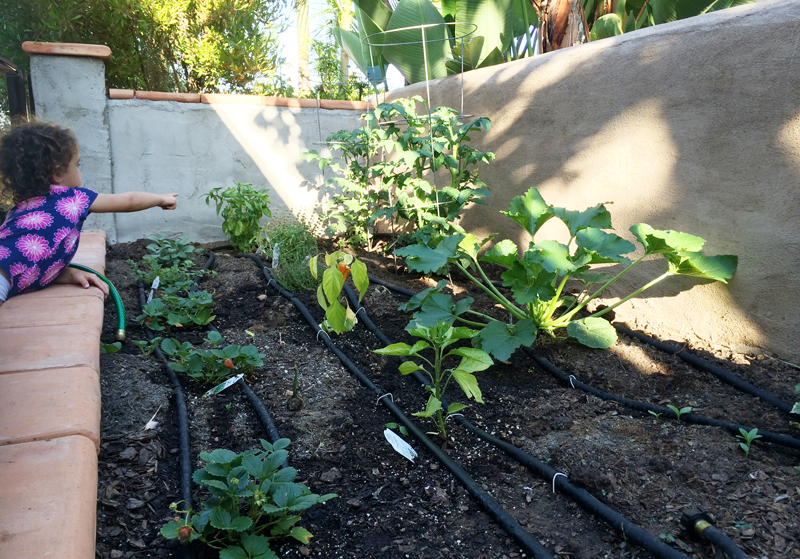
(191, 148)
(692, 126)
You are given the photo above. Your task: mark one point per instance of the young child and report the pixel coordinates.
(39, 237)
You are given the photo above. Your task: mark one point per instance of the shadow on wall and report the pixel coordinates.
(693, 126)
(191, 148)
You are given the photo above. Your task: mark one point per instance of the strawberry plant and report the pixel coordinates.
(253, 500)
(212, 365)
(339, 318)
(538, 275)
(168, 252)
(242, 209)
(438, 338)
(171, 310)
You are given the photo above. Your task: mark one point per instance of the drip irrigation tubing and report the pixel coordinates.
(527, 542)
(783, 440)
(183, 424)
(258, 406)
(703, 365)
(120, 334)
(775, 438)
(585, 499)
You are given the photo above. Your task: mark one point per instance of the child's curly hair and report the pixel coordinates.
(30, 155)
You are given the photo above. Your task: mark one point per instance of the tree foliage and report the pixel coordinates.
(159, 45)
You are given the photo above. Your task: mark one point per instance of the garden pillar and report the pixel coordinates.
(69, 89)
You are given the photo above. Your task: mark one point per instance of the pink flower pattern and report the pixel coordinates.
(34, 247)
(27, 277)
(31, 203)
(40, 235)
(35, 220)
(52, 272)
(17, 269)
(72, 208)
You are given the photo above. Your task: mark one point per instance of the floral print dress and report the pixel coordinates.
(40, 236)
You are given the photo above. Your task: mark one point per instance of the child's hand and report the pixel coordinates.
(84, 279)
(169, 202)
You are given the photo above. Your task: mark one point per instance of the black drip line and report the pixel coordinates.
(506, 521)
(559, 480)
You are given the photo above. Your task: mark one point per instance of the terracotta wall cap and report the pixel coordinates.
(165, 96)
(230, 99)
(120, 94)
(68, 49)
(335, 104)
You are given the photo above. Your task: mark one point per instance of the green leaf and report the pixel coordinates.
(301, 534)
(555, 258)
(233, 553)
(398, 349)
(431, 408)
(529, 210)
(501, 340)
(170, 530)
(597, 217)
(408, 368)
(472, 359)
(503, 253)
(404, 48)
(416, 301)
(422, 258)
(604, 247)
(360, 277)
(662, 242)
(469, 384)
(455, 408)
(220, 456)
(609, 25)
(719, 268)
(257, 547)
(494, 20)
(222, 520)
(796, 408)
(593, 332)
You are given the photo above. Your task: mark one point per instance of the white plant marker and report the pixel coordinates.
(222, 386)
(156, 283)
(399, 444)
(150, 425)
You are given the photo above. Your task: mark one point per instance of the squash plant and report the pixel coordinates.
(538, 274)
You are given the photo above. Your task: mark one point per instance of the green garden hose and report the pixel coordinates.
(120, 336)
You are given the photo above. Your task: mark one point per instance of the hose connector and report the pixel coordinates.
(120, 335)
(695, 521)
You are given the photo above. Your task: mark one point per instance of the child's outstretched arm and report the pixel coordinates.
(132, 202)
(84, 279)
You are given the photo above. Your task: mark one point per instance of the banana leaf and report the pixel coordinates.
(494, 20)
(403, 41)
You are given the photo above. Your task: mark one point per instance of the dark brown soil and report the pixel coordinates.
(646, 468)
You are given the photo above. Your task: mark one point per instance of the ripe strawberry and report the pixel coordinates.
(228, 363)
(184, 533)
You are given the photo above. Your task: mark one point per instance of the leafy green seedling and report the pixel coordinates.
(679, 412)
(110, 348)
(656, 415)
(748, 437)
(339, 318)
(401, 428)
(667, 538)
(148, 346)
(438, 338)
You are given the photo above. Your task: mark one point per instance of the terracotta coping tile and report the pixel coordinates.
(69, 49)
(48, 499)
(24, 311)
(230, 99)
(25, 349)
(165, 96)
(336, 104)
(48, 404)
(120, 93)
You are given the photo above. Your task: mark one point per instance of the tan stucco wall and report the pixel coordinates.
(692, 126)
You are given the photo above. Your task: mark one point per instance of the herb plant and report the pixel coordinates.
(212, 365)
(252, 502)
(438, 338)
(296, 245)
(538, 275)
(339, 318)
(748, 437)
(168, 252)
(242, 209)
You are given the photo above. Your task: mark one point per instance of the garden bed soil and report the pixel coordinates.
(646, 468)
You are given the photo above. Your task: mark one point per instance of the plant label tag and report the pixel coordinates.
(276, 256)
(222, 386)
(156, 283)
(399, 444)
